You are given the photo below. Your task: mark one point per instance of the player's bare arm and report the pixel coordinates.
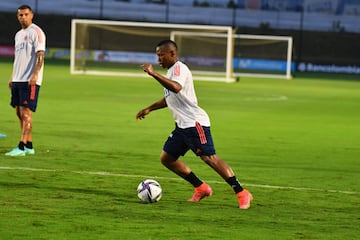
(40, 56)
(10, 81)
(165, 82)
(157, 105)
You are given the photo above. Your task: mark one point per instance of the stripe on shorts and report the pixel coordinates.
(201, 133)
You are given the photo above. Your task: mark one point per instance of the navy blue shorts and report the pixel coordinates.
(24, 95)
(198, 139)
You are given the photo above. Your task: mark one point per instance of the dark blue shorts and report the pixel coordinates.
(24, 95)
(198, 139)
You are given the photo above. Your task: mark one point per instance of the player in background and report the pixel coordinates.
(192, 130)
(27, 76)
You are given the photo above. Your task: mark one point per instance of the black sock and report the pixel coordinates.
(235, 184)
(28, 145)
(21, 146)
(193, 179)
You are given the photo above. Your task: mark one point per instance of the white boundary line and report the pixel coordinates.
(143, 176)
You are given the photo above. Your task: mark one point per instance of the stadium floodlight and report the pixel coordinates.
(117, 48)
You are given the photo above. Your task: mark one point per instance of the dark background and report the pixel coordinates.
(342, 48)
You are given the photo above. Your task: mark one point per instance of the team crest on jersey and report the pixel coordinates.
(25, 38)
(20, 46)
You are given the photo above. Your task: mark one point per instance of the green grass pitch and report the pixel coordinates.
(295, 144)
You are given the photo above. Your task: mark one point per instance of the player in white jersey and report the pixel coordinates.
(27, 76)
(192, 130)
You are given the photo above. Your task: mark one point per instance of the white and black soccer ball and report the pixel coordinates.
(149, 191)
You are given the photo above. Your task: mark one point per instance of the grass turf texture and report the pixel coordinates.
(91, 154)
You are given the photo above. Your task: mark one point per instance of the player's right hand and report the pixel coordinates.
(148, 68)
(142, 113)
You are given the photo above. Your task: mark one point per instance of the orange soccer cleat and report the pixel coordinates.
(201, 192)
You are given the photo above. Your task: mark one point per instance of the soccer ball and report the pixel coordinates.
(149, 191)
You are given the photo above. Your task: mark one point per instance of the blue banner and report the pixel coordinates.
(261, 65)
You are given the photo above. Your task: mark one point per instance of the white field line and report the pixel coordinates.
(176, 179)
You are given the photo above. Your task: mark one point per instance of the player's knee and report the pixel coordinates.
(166, 159)
(162, 159)
(26, 118)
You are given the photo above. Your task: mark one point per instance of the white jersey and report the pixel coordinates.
(183, 105)
(27, 42)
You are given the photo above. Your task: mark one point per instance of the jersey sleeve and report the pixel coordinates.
(179, 73)
(39, 39)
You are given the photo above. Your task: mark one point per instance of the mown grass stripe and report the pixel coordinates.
(175, 179)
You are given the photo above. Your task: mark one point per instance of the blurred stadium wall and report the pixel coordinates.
(326, 32)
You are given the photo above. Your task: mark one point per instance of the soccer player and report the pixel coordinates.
(27, 76)
(192, 130)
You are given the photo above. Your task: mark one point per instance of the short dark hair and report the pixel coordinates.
(24, 6)
(167, 42)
